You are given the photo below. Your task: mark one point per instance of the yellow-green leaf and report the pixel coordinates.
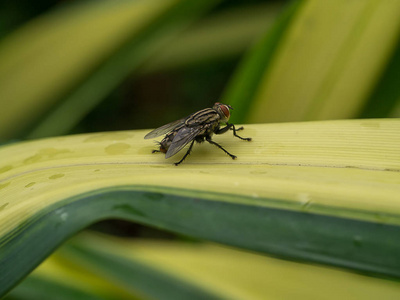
(321, 61)
(320, 191)
(175, 270)
(79, 54)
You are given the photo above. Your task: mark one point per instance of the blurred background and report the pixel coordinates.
(85, 66)
(111, 65)
(55, 57)
(69, 67)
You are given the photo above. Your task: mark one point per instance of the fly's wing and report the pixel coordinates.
(164, 129)
(184, 136)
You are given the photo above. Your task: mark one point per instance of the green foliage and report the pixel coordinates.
(317, 192)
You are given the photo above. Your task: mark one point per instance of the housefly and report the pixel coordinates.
(197, 127)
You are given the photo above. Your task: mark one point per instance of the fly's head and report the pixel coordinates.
(223, 111)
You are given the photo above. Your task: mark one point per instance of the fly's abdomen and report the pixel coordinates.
(164, 147)
(167, 141)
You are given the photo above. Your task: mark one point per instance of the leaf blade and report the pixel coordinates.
(333, 180)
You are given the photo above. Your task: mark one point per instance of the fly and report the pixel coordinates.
(197, 127)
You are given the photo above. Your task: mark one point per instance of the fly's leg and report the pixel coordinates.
(232, 127)
(187, 153)
(155, 151)
(220, 147)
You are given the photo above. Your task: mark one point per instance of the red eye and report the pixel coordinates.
(225, 110)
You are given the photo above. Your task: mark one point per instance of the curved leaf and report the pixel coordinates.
(320, 191)
(115, 266)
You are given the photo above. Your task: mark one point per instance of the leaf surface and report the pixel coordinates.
(319, 191)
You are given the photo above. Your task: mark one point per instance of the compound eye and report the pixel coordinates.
(225, 110)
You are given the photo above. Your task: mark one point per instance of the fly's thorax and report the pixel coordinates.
(208, 129)
(204, 116)
(223, 111)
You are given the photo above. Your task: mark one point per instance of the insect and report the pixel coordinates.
(197, 127)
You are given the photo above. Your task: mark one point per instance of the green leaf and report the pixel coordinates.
(219, 36)
(136, 275)
(321, 61)
(242, 90)
(385, 96)
(36, 288)
(323, 192)
(80, 54)
(111, 266)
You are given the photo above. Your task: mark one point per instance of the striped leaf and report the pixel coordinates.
(323, 192)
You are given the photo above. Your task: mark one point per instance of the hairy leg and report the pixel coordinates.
(220, 147)
(231, 127)
(187, 153)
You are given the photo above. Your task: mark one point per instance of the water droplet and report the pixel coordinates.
(63, 214)
(30, 184)
(305, 200)
(56, 176)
